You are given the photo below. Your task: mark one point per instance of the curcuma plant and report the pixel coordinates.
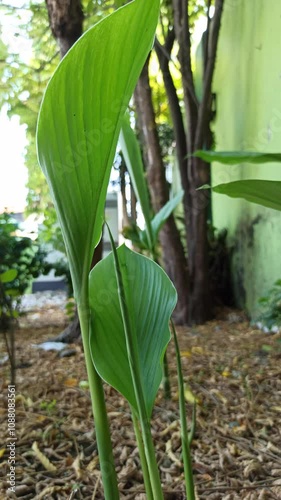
(125, 304)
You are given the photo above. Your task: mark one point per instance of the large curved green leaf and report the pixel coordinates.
(236, 157)
(266, 193)
(80, 120)
(151, 298)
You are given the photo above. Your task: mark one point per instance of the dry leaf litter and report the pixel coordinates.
(231, 369)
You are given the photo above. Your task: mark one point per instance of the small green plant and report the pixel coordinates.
(8, 293)
(270, 315)
(125, 303)
(8, 315)
(141, 299)
(24, 257)
(21, 260)
(76, 145)
(49, 406)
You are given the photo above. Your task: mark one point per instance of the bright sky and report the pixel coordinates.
(13, 174)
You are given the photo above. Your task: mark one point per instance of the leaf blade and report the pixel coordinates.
(76, 140)
(236, 157)
(160, 218)
(8, 276)
(261, 192)
(151, 297)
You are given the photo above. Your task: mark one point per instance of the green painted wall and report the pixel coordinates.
(248, 87)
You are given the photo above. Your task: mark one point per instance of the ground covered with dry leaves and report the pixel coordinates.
(232, 369)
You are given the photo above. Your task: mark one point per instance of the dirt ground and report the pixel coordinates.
(233, 371)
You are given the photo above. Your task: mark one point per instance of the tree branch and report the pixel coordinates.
(206, 51)
(163, 54)
(204, 109)
(183, 37)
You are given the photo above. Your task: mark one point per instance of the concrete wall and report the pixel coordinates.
(248, 89)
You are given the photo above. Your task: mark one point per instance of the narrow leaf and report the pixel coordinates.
(165, 212)
(236, 157)
(266, 193)
(150, 298)
(80, 120)
(132, 155)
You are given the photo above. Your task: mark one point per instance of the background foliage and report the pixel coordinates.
(22, 255)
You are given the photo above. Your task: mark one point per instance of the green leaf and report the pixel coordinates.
(132, 155)
(12, 292)
(80, 120)
(266, 193)
(151, 298)
(165, 212)
(8, 276)
(235, 157)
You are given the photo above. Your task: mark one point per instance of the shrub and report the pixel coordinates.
(25, 258)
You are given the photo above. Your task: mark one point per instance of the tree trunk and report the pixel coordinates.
(174, 257)
(66, 22)
(196, 135)
(200, 305)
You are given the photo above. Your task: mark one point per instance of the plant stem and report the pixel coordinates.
(188, 474)
(109, 477)
(166, 378)
(141, 449)
(151, 459)
(9, 337)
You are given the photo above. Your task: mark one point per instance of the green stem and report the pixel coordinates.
(166, 378)
(109, 477)
(188, 474)
(151, 459)
(146, 478)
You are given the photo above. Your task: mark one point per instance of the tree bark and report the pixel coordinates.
(66, 22)
(194, 172)
(174, 257)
